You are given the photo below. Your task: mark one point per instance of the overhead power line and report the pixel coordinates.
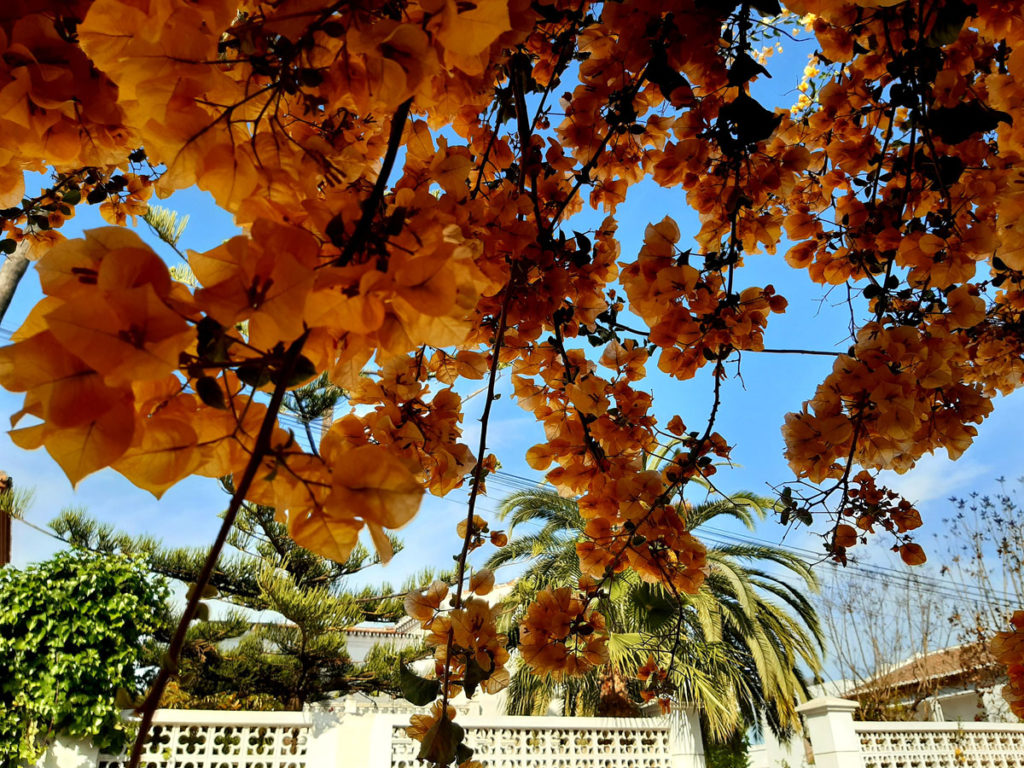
(929, 584)
(510, 481)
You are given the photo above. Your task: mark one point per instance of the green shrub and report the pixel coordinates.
(732, 753)
(70, 631)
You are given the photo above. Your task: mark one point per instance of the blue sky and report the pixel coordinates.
(751, 415)
(755, 399)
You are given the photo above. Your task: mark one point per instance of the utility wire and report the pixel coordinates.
(930, 584)
(958, 592)
(927, 584)
(948, 590)
(881, 570)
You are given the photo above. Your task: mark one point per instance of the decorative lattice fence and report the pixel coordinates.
(360, 735)
(183, 739)
(839, 741)
(371, 734)
(941, 745)
(538, 742)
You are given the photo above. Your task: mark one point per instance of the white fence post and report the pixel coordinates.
(350, 738)
(66, 752)
(686, 745)
(834, 741)
(323, 742)
(380, 730)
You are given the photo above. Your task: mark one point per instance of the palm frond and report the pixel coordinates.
(745, 506)
(543, 506)
(735, 645)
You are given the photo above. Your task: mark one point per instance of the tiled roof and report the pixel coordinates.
(945, 664)
(386, 630)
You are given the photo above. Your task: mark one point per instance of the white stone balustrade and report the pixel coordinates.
(577, 742)
(839, 741)
(368, 735)
(202, 739)
(941, 745)
(363, 734)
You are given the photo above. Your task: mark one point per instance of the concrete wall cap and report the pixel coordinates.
(827, 704)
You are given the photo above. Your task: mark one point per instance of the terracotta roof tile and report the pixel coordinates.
(947, 663)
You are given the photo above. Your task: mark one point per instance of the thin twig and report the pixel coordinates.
(795, 352)
(260, 448)
(478, 475)
(371, 203)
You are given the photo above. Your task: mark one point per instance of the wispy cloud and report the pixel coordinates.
(936, 477)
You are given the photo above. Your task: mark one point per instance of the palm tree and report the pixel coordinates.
(737, 645)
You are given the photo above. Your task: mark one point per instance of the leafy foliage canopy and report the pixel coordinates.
(71, 635)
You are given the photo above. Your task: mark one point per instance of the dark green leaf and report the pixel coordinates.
(475, 674)
(959, 123)
(582, 242)
(949, 22)
(253, 374)
(744, 68)
(303, 371)
(463, 753)
(663, 74)
(415, 689)
(210, 393)
(747, 120)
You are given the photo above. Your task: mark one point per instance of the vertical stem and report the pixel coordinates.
(260, 449)
(478, 474)
(7, 511)
(372, 203)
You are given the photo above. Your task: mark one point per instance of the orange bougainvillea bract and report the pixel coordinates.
(404, 175)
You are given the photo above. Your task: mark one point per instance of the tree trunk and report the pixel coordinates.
(6, 486)
(615, 701)
(11, 272)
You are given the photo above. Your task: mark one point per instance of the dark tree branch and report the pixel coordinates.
(260, 449)
(372, 203)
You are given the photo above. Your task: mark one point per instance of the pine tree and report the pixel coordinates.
(296, 656)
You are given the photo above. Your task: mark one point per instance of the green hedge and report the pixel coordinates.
(70, 633)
